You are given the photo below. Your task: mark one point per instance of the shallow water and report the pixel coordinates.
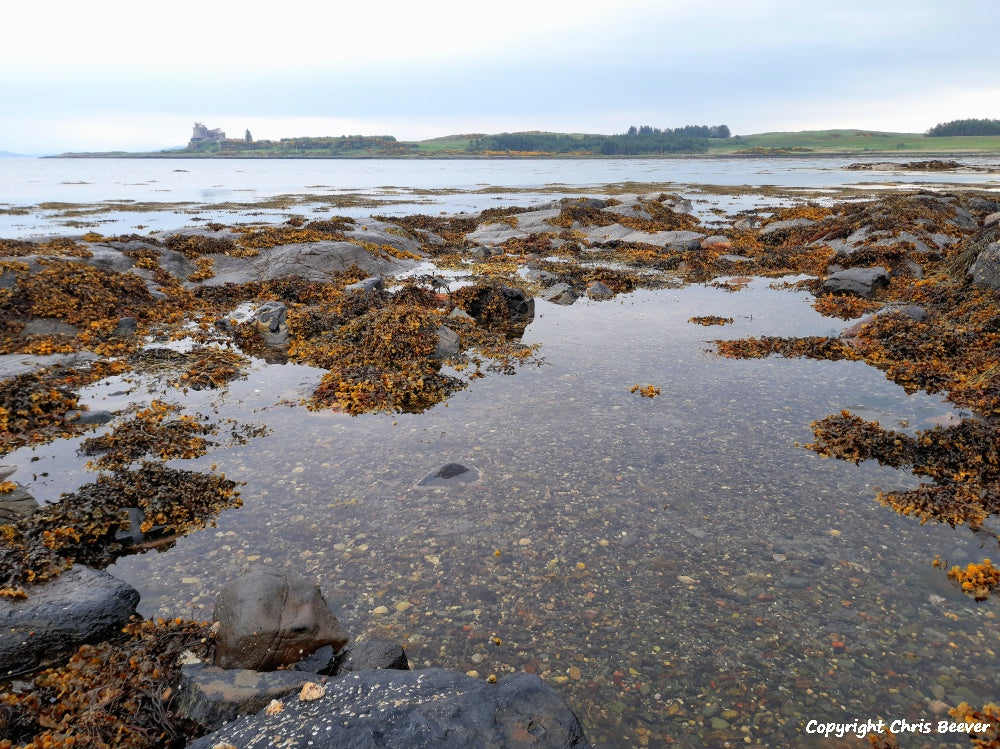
(115, 196)
(677, 566)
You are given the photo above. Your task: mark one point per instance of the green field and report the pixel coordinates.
(855, 141)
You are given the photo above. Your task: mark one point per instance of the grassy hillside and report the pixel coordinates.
(853, 141)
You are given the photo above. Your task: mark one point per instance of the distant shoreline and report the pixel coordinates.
(807, 143)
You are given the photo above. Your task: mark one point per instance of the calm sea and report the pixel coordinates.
(66, 196)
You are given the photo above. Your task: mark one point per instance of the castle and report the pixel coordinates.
(202, 134)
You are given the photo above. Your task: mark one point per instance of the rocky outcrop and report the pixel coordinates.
(269, 618)
(80, 606)
(315, 261)
(426, 709)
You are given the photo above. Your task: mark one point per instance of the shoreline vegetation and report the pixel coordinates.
(643, 142)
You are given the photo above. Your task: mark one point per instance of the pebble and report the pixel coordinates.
(403, 606)
(380, 610)
(686, 579)
(574, 673)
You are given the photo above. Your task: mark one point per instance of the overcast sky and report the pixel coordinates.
(135, 75)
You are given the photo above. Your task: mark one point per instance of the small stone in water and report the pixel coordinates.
(380, 610)
(686, 579)
(403, 606)
(778, 557)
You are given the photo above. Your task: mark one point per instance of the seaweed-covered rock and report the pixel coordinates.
(985, 269)
(269, 618)
(80, 606)
(430, 708)
(861, 282)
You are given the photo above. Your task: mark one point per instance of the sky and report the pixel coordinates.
(130, 75)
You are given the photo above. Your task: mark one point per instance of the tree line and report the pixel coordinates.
(965, 127)
(634, 141)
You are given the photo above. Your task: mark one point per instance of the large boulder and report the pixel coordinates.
(270, 618)
(80, 606)
(425, 709)
(985, 269)
(861, 282)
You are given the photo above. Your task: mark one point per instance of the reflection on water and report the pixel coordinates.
(678, 566)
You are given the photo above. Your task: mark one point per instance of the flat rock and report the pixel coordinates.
(12, 365)
(82, 605)
(426, 709)
(598, 290)
(270, 618)
(448, 343)
(313, 261)
(781, 226)
(15, 505)
(212, 696)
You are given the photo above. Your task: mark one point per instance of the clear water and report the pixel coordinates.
(663, 561)
(679, 567)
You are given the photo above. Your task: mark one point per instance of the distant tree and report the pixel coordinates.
(965, 127)
(248, 138)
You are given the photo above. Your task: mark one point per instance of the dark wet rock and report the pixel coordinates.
(598, 290)
(80, 606)
(212, 696)
(985, 269)
(126, 326)
(269, 618)
(369, 284)
(482, 252)
(448, 343)
(323, 661)
(776, 227)
(861, 282)
(270, 320)
(560, 293)
(424, 709)
(15, 505)
(449, 474)
(371, 655)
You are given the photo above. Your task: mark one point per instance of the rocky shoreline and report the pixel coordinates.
(397, 312)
